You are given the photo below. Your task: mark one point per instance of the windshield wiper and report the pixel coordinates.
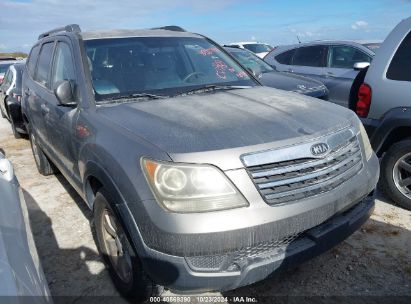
(212, 87)
(132, 97)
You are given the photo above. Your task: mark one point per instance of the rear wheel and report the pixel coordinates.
(396, 173)
(119, 256)
(44, 166)
(13, 128)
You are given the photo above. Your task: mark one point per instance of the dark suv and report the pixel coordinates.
(199, 178)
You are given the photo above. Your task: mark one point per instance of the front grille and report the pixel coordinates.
(295, 179)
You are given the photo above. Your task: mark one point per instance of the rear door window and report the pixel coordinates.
(34, 55)
(344, 57)
(285, 58)
(313, 56)
(44, 62)
(400, 66)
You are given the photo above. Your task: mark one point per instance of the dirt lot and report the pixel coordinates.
(374, 261)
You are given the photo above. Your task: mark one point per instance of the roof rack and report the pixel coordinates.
(174, 28)
(75, 28)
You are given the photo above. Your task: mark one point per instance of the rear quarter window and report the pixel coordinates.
(400, 66)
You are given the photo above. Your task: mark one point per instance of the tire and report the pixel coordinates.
(132, 283)
(16, 134)
(396, 174)
(44, 166)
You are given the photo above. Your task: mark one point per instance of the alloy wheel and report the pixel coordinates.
(402, 175)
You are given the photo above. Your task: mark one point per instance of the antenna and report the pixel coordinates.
(298, 38)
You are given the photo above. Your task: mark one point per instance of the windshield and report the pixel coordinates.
(251, 61)
(258, 47)
(159, 65)
(4, 67)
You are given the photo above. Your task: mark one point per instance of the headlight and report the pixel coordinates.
(367, 146)
(191, 188)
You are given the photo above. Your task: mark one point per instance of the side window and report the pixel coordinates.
(285, 58)
(63, 68)
(43, 66)
(8, 78)
(34, 55)
(313, 56)
(400, 66)
(344, 56)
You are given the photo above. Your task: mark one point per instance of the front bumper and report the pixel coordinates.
(178, 273)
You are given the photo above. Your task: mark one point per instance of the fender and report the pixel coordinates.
(397, 117)
(117, 204)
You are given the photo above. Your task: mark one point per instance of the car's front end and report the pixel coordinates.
(281, 206)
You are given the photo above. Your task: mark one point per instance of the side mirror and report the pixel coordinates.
(2, 153)
(64, 93)
(360, 65)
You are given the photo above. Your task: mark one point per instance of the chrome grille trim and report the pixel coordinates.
(302, 166)
(298, 174)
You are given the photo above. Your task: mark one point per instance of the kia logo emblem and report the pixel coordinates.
(319, 149)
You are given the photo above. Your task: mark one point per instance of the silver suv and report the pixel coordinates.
(384, 105)
(199, 178)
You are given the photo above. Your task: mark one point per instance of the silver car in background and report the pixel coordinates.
(334, 63)
(21, 275)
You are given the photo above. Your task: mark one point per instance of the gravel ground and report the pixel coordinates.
(375, 260)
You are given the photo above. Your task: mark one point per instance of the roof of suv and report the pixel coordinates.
(134, 33)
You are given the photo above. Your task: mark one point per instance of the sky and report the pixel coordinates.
(274, 22)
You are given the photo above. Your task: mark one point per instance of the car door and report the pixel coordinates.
(39, 92)
(60, 119)
(340, 73)
(309, 61)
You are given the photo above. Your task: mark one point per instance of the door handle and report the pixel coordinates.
(290, 70)
(331, 74)
(44, 109)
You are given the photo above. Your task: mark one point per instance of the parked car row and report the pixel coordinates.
(174, 144)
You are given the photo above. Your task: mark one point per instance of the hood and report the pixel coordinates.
(291, 82)
(226, 119)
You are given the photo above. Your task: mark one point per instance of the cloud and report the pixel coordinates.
(359, 25)
(43, 15)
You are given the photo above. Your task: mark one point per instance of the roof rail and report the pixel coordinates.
(75, 28)
(174, 28)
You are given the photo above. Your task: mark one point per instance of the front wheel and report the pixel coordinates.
(119, 256)
(396, 173)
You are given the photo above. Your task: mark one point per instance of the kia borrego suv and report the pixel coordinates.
(199, 178)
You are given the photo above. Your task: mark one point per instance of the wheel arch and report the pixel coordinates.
(394, 127)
